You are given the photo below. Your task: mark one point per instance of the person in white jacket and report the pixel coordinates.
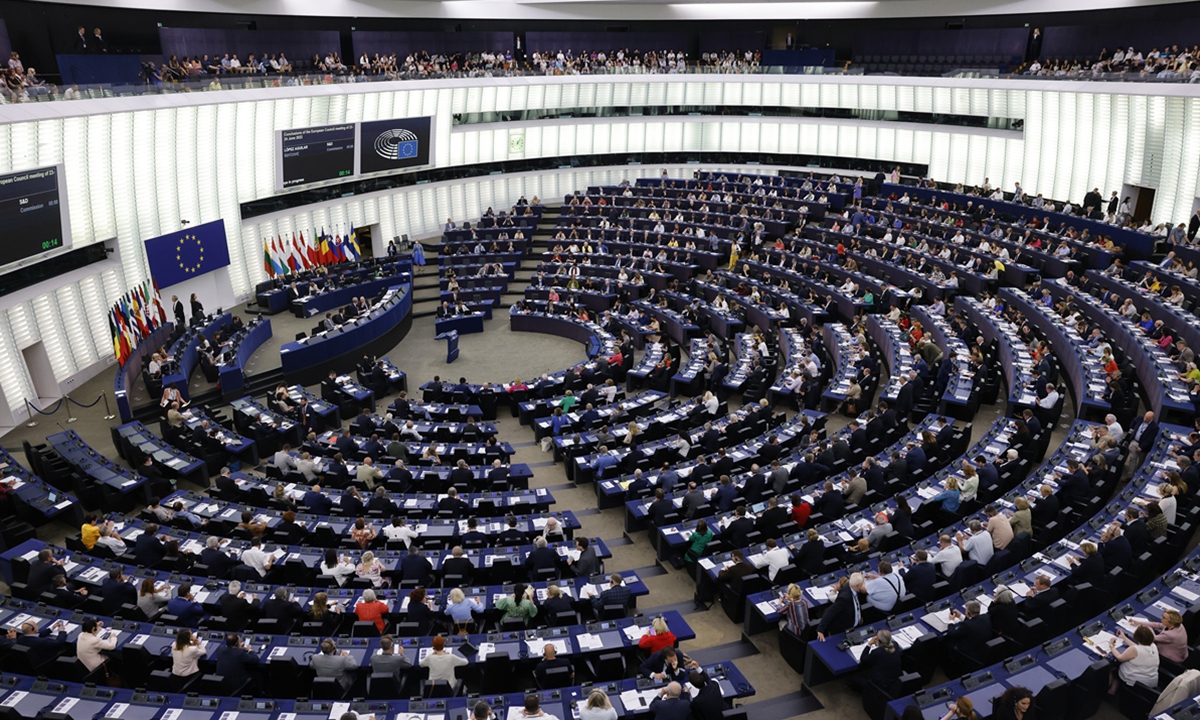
(91, 644)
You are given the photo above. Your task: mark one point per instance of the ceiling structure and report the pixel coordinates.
(625, 10)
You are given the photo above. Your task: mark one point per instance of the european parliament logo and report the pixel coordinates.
(185, 254)
(189, 251)
(397, 144)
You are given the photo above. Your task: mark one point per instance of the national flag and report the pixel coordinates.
(289, 252)
(162, 311)
(338, 248)
(326, 252)
(126, 347)
(268, 266)
(147, 315)
(148, 303)
(116, 335)
(143, 329)
(130, 323)
(313, 257)
(352, 243)
(300, 253)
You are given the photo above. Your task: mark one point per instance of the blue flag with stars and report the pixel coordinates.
(188, 253)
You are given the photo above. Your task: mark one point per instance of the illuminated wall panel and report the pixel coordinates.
(138, 167)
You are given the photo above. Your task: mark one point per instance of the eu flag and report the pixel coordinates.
(185, 254)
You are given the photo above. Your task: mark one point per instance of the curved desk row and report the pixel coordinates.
(367, 286)
(32, 493)
(1136, 244)
(232, 375)
(767, 314)
(276, 295)
(1066, 657)
(31, 697)
(892, 343)
(186, 352)
(1015, 357)
(1183, 324)
(132, 369)
(597, 340)
(1167, 393)
(839, 655)
(133, 440)
(960, 384)
(124, 487)
(1085, 372)
(306, 361)
(91, 572)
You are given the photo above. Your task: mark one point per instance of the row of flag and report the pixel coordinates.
(138, 313)
(281, 257)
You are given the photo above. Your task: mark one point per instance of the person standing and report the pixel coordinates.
(1033, 48)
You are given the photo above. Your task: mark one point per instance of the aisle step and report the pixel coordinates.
(800, 702)
(720, 653)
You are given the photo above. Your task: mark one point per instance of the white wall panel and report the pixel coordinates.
(136, 167)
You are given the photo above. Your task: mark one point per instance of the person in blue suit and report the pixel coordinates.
(921, 576)
(726, 493)
(317, 502)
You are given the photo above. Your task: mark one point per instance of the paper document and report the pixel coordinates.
(635, 632)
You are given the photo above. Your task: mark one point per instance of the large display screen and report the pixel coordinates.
(394, 144)
(33, 213)
(309, 155)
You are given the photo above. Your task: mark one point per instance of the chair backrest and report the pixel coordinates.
(326, 688)
(554, 678)
(382, 686)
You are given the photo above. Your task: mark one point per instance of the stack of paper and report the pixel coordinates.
(1018, 588)
(636, 701)
(1099, 643)
(635, 632)
(906, 636)
(537, 646)
(589, 641)
(1127, 623)
(822, 593)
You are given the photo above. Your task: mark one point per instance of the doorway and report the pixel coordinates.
(1141, 201)
(37, 363)
(364, 241)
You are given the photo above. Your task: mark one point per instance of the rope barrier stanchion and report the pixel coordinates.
(108, 415)
(70, 418)
(29, 405)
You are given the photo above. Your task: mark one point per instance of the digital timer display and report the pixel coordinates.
(31, 213)
(310, 155)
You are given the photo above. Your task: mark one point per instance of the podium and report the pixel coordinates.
(451, 339)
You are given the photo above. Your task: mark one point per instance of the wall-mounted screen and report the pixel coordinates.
(310, 155)
(33, 213)
(394, 144)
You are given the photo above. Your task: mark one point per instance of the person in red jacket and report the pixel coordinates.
(660, 637)
(372, 610)
(800, 511)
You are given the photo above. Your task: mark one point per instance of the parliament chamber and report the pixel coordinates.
(492, 360)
